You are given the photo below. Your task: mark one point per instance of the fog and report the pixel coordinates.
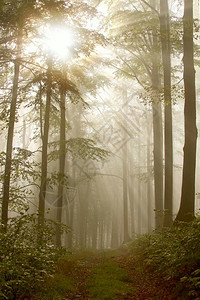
(113, 127)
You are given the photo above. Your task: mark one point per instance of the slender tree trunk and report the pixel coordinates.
(158, 164)
(94, 228)
(71, 209)
(125, 182)
(24, 134)
(115, 230)
(158, 149)
(61, 165)
(9, 149)
(187, 207)
(45, 137)
(101, 233)
(131, 192)
(125, 195)
(139, 194)
(84, 211)
(166, 61)
(149, 182)
(157, 132)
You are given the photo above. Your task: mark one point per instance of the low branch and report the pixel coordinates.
(152, 8)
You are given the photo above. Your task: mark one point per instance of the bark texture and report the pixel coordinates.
(9, 148)
(45, 137)
(62, 155)
(186, 211)
(168, 147)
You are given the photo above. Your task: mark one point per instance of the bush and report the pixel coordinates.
(27, 256)
(173, 254)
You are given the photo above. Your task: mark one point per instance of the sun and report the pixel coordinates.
(58, 41)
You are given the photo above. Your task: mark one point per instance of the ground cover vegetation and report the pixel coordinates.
(99, 111)
(153, 266)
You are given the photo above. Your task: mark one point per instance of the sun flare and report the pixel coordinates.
(58, 41)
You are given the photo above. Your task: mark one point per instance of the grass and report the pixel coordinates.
(59, 285)
(57, 288)
(89, 274)
(160, 265)
(109, 281)
(71, 272)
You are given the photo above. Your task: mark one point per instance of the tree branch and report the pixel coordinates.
(152, 8)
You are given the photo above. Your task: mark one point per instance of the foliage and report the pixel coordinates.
(57, 286)
(23, 177)
(108, 281)
(27, 256)
(71, 273)
(174, 254)
(80, 148)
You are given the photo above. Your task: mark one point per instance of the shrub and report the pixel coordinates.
(27, 256)
(174, 254)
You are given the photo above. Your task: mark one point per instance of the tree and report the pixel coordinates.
(17, 20)
(68, 14)
(125, 180)
(157, 133)
(186, 211)
(157, 122)
(168, 145)
(61, 161)
(142, 63)
(43, 183)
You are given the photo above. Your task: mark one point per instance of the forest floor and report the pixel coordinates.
(104, 275)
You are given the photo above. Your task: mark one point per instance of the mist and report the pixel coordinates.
(100, 108)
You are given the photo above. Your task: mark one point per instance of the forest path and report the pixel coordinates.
(98, 275)
(114, 275)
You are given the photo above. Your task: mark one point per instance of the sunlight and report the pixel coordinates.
(58, 41)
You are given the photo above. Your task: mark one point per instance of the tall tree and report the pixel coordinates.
(62, 155)
(186, 211)
(9, 148)
(142, 62)
(166, 61)
(14, 20)
(125, 179)
(45, 136)
(157, 128)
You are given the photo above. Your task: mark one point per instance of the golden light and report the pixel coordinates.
(58, 40)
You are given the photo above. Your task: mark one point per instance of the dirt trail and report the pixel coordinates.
(115, 275)
(148, 285)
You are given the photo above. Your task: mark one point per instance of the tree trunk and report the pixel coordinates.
(84, 211)
(157, 133)
(149, 182)
(125, 182)
(8, 163)
(71, 210)
(131, 192)
(186, 211)
(61, 165)
(115, 230)
(94, 228)
(45, 136)
(158, 149)
(125, 195)
(139, 192)
(24, 134)
(166, 61)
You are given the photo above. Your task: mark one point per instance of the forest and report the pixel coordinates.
(99, 152)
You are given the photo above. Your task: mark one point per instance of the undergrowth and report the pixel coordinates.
(28, 256)
(173, 254)
(68, 276)
(60, 284)
(109, 281)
